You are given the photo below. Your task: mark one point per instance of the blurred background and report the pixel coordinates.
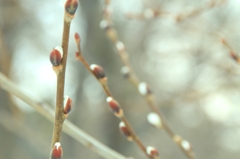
(195, 80)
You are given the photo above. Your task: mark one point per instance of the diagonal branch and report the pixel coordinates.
(69, 128)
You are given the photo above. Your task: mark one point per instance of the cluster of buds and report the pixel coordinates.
(57, 151)
(144, 89)
(125, 131)
(155, 120)
(152, 152)
(56, 59)
(70, 10)
(115, 107)
(67, 105)
(185, 145)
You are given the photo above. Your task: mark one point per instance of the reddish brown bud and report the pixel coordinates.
(70, 8)
(152, 151)
(98, 71)
(67, 105)
(233, 55)
(77, 37)
(125, 130)
(56, 56)
(144, 89)
(57, 151)
(115, 107)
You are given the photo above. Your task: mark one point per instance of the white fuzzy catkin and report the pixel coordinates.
(154, 120)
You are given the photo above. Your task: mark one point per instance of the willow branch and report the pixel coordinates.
(69, 128)
(143, 88)
(99, 74)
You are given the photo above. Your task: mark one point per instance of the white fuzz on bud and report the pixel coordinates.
(143, 88)
(186, 145)
(120, 46)
(155, 120)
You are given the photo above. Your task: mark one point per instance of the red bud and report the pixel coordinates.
(77, 37)
(152, 151)
(125, 130)
(98, 71)
(67, 105)
(57, 151)
(115, 107)
(56, 56)
(71, 7)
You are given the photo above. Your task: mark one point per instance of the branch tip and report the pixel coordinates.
(125, 71)
(77, 38)
(57, 151)
(70, 9)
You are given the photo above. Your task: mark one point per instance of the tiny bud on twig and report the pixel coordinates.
(125, 71)
(77, 38)
(186, 145)
(115, 107)
(125, 131)
(144, 89)
(105, 25)
(57, 151)
(97, 71)
(154, 120)
(120, 46)
(56, 56)
(70, 9)
(67, 105)
(152, 151)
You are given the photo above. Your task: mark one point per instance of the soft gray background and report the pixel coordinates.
(194, 78)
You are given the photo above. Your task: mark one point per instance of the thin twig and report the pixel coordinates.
(69, 128)
(144, 90)
(59, 68)
(99, 74)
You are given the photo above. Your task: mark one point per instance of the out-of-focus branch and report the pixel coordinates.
(232, 53)
(142, 87)
(69, 128)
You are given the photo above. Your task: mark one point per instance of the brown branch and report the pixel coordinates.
(99, 74)
(59, 66)
(69, 128)
(144, 90)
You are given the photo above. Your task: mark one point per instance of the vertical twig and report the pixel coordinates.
(144, 90)
(59, 66)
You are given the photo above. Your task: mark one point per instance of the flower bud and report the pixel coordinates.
(56, 56)
(77, 38)
(125, 130)
(155, 120)
(97, 71)
(67, 105)
(105, 25)
(57, 151)
(144, 89)
(115, 107)
(70, 9)
(152, 151)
